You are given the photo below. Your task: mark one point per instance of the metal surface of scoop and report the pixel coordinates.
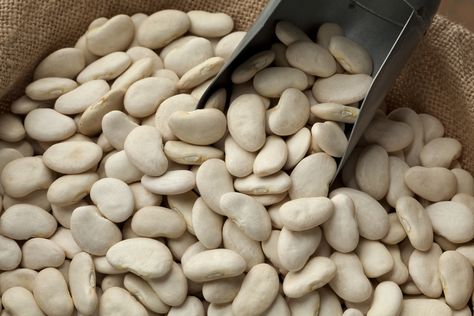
(389, 30)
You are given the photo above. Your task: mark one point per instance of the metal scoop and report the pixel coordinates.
(389, 30)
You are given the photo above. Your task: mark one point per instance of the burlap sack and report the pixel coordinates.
(439, 79)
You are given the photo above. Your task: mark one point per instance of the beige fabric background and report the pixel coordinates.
(439, 79)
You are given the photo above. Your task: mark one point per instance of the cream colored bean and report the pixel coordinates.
(306, 213)
(113, 198)
(272, 81)
(72, 157)
(310, 57)
(19, 277)
(162, 27)
(289, 33)
(432, 127)
(258, 291)
(39, 253)
(119, 302)
(222, 291)
(246, 122)
(102, 265)
(440, 152)
(190, 54)
(110, 281)
(465, 181)
(239, 162)
(38, 198)
(247, 70)
(180, 102)
(326, 31)
(23, 105)
(143, 256)
(49, 88)
(397, 187)
(375, 258)
(420, 306)
(235, 239)
(456, 276)
(274, 184)
(371, 217)
(199, 127)
(51, 293)
(270, 248)
(140, 69)
(307, 305)
(11, 128)
(116, 126)
(297, 147)
(63, 238)
(47, 125)
(350, 283)
(179, 245)
(138, 52)
(315, 274)
(172, 287)
(294, 248)
(167, 74)
(93, 233)
(144, 293)
(119, 166)
(108, 67)
(82, 283)
(220, 310)
(434, 184)
(82, 45)
(200, 73)
(157, 221)
(191, 306)
(16, 222)
(19, 301)
(372, 171)
(187, 154)
(63, 63)
(10, 254)
(278, 307)
(342, 88)
(183, 204)
(353, 57)
(209, 24)
(115, 34)
(207, 224)
(452, 220)
(396, 232)
(217, 100)
(280, 55)
(467, 251)
(170, 183)
(271, 158)
(226, 45)
(424, 270)
(213, 181)
(290, 114)
(335, 112)
(352, 312)
(390, 134)
(71, 189)
(144, 148)
(24, 147)
(415, 222)
(79, 99)
(179, 42)
(340, 230)
(388, 299)
(304, 183)
(247, 88)
(330, 138)
(249, 215)
(90, 122)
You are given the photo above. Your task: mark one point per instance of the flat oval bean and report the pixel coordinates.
(51, 293)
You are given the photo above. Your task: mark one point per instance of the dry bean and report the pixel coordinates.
(272, 81)
(306, 213)
(140, 69)
(432, 127)
(258, 291)
(10, 254)
(191, 306)
(420, 306)
(47, 125)
(329, 303)
(251, 66)
(19, 301)
(239, 162)
(180, 102)
(397, 187)
(72, 157)
(456, 276)
(391, 135)
(465, 181)
(353, 57)
(108, 67)
(157, 221)
(388, 300)
(11, 128)
(440, 152)
(71, 189)
(289, 33)
(63, 238)
(187, 154)
(310, 57)
(172, 287)
(162, 27)
(116, 126)
(188, 55)
(326, 31)
(144, 293)
(226, 45)
(119, 166)
(79, 99)
(16, 222)
(23, 278)
(114, 35)
(330, 138)
(452, 220)
(183, 204)
(273, 184)
(342, 88)
(119, 302)
(39, 253)
(372, 171)
(415, 222)
(207, 224)
(93, 233)
(434, 184)
(45, 89)
(335, 112)
(294, 248)
(290, 114)
(424, 271)
(200, 73)
(82, 283)
(113, 198)
(375, 258)
(170, 183)
(396, 232)
(138, 52)
(51, 293)
(235, 239)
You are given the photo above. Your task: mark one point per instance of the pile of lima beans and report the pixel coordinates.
(120, 198)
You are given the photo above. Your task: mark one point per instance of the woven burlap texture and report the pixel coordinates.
(439, 78)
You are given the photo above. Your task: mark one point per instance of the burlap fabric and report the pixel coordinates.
(439, 79)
